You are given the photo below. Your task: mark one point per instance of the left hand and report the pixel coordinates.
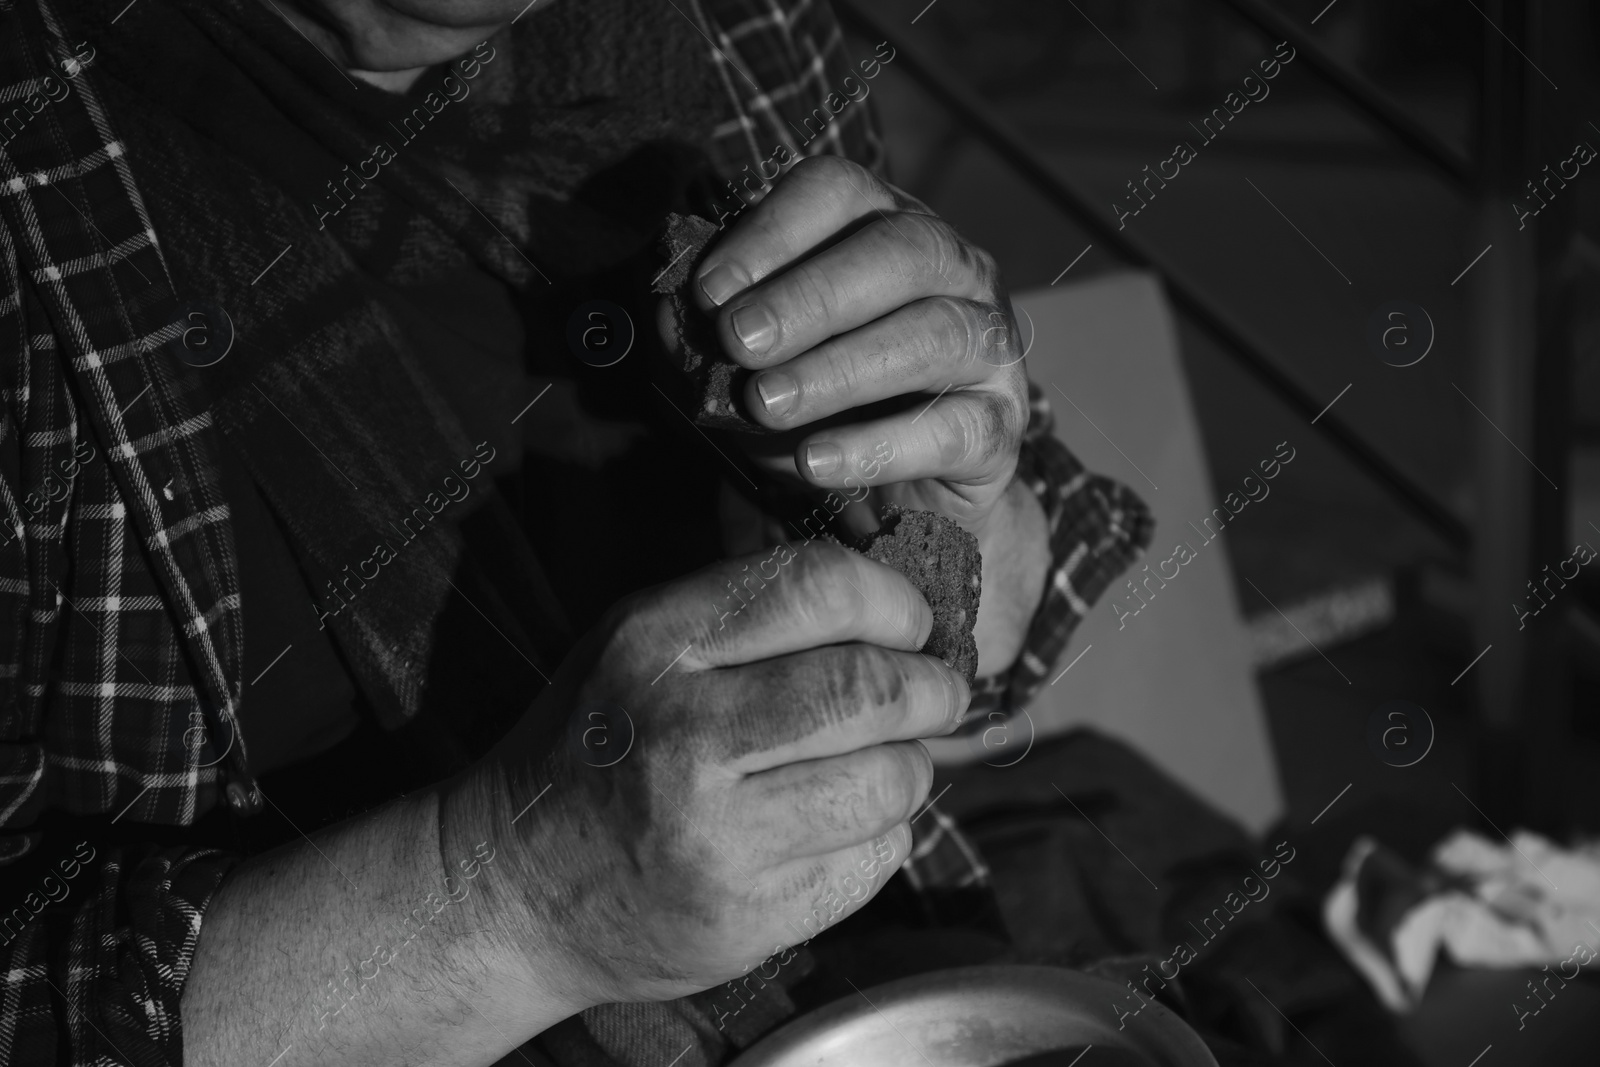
(841, 291)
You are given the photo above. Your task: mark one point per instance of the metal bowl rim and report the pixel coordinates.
(1033, 979)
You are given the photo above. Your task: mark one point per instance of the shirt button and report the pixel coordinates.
(242, 800)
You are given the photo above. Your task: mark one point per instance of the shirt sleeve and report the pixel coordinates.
(95, 949)
(1097, 527)
(96, 935)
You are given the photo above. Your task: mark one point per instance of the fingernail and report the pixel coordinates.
(778, 391)
(721, 282)
(823, 459)
(754, 327)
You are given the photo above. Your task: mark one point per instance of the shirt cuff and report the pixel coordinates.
(96, 957)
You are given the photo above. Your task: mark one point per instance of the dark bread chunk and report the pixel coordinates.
(717, 380)
(683, 244)
(942, 561)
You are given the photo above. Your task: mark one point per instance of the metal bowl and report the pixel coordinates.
(981, 1017)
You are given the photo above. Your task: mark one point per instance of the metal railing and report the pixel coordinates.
(1366, 97)
(988, 126)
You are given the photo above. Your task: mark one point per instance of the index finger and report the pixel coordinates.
(819, 197)
(787, 600)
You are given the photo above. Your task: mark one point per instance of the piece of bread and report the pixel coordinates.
(934, 553)
(717, 380)
(942, 561)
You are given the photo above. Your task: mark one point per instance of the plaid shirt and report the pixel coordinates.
(120, 629)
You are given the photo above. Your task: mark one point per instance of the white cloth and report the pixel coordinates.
(1529, 903)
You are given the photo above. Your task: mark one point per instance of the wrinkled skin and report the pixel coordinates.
(775, 766)
(842, 291)
(767, 791)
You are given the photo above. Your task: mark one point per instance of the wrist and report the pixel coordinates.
(505, 896)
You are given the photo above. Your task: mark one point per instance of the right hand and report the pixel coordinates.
(768, 789)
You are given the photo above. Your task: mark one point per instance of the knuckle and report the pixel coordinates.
(841, 372)
(714, 633)
(774, 228)
(1014, 379)
(1011, 415)
(932, 237)
(926, 701)
(844, 802)
(997, 414)
(882, 788)
(811, 290)
(827, 693)
(823, 587)
(878, 795)
(961, 441)
(904, 780)
(980, 431)
(827, 168)
(985, 266)
(999, 332)
(962, 332)
(931, 341)
(877, 680)
(837, 179)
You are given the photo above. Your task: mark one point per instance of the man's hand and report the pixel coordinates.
(767, 792)
(840, 291)
(766, 795)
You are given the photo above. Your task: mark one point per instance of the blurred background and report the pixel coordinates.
(1393, 561)
(1095, 91)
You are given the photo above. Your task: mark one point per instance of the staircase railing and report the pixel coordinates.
(985, 123)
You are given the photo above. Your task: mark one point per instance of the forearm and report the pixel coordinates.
(351, 948)
(1015, 543)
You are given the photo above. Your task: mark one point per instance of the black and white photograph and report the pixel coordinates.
(799, 533)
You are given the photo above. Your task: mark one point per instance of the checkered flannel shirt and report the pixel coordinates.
(1097, 526)
(120, 628)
